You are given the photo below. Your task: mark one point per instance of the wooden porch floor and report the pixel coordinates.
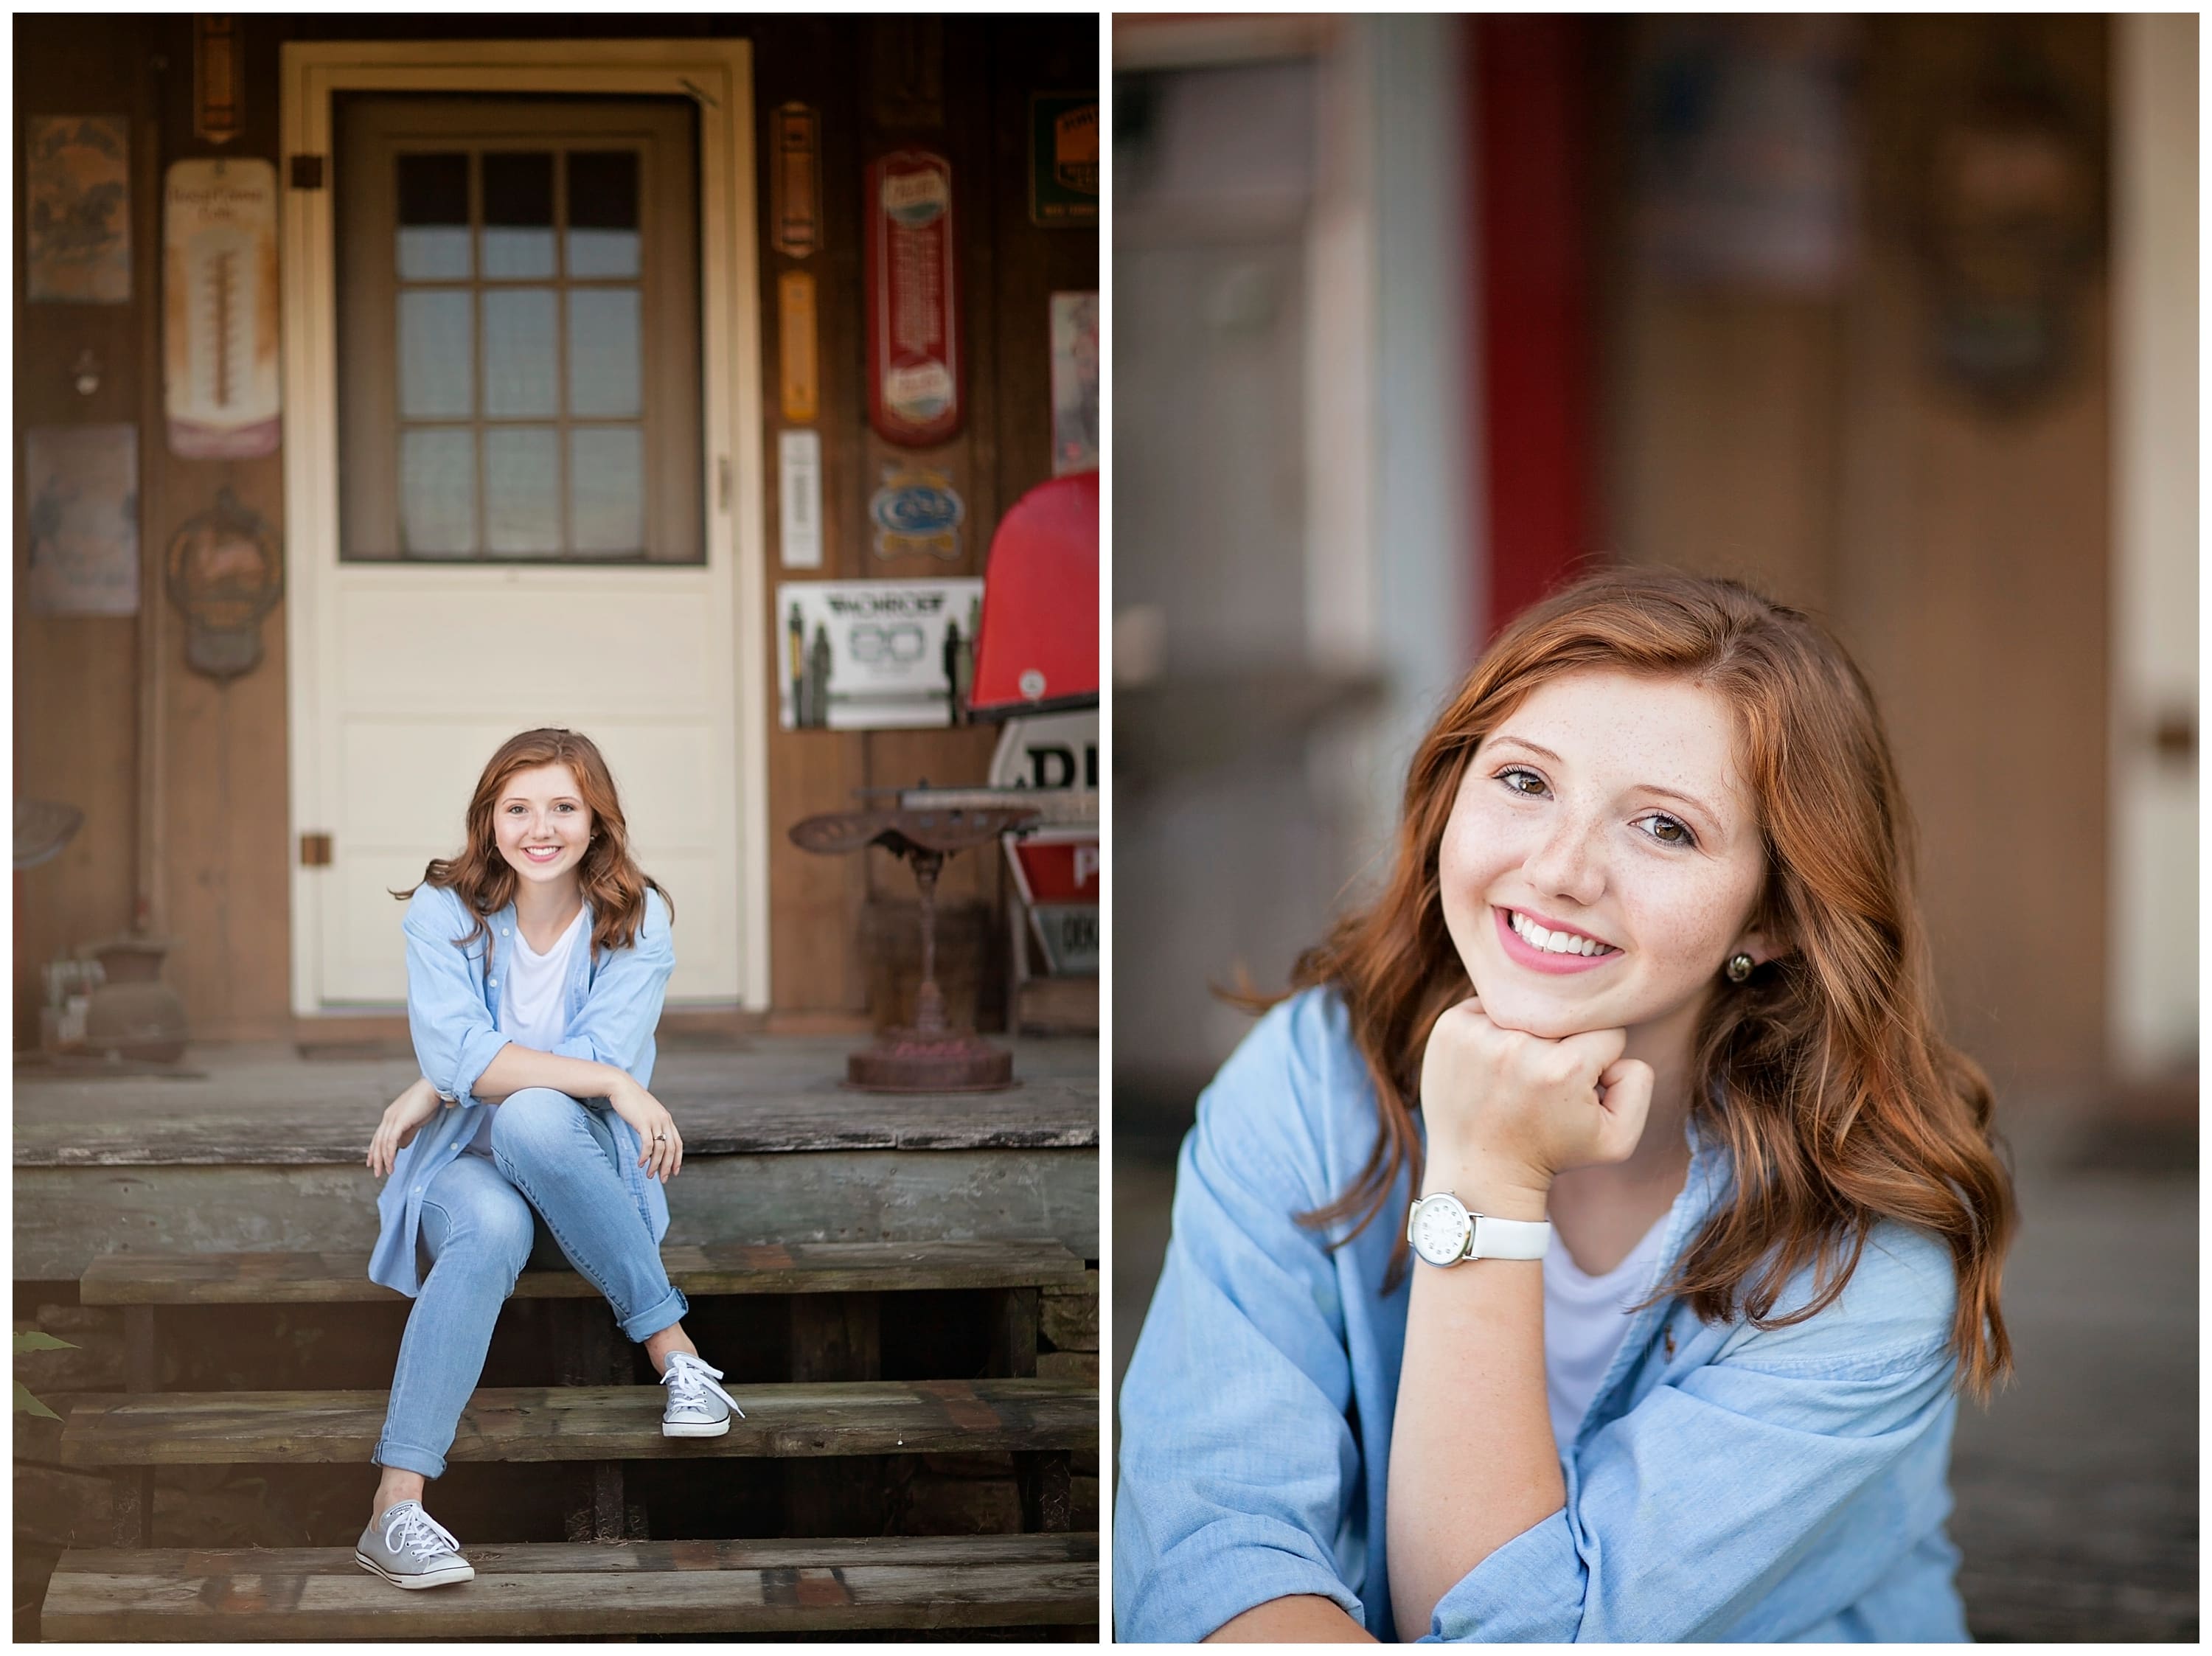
(266, 1106)
(250, 1148)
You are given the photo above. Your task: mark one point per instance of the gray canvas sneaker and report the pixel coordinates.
(696, 1407)
(409, 1549)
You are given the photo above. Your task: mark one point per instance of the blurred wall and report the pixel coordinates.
(1292, 589)
(1797, 426)
(2153, 1016)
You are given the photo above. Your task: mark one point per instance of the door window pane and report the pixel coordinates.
(602, 223)
(517, 216)
(606, 472)
(603, 345)
(508, 414)
(521, 353)
(437, 353)
(522, 491)
(437, 493)
(434, 218)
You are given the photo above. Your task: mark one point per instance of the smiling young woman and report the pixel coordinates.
(1704, 1223)
(536, 962)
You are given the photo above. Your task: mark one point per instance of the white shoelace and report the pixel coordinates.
(411, 1527)
(688, 1380)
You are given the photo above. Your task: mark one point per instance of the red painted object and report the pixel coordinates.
(914, 302)
(1059, 871)
(1530, 99)
(1036, 646)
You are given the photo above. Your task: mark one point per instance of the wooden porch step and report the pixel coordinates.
(568, 1590)
(589, 1423)
(719, 1268)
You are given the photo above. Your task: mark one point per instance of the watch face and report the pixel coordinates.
(1440, 1229)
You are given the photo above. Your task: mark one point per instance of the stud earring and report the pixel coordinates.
(1739, 967)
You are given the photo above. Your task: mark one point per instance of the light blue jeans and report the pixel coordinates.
(480, 1219)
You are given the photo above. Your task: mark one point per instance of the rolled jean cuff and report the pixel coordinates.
(662, 1313)
(406, 1457)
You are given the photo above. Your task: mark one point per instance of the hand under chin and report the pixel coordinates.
(1545, 1023)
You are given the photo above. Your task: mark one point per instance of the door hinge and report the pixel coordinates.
(306, 172)
(314, 851)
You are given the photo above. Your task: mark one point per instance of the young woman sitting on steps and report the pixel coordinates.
(537, 960)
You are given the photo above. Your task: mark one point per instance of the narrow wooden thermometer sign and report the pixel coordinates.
(914, 309)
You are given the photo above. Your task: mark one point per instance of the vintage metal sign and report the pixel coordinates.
(1056, 870)
(82, 484)
(76, 212)
(1052, 753)
(912, 296)
(1075, 382)
(800, 361)
(225, 570)
(917, 512)
(219, 271)
(1064, 159)
(874, 655)
(798, 498)
(795, 181)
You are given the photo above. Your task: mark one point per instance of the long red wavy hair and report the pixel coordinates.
(613, 883)
(1823, 1074)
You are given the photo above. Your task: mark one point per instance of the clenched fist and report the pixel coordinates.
(1506, 1110)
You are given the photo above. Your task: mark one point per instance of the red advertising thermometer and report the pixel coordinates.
(914, 309)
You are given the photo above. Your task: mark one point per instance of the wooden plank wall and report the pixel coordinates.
(958, 85)
(1803, 443)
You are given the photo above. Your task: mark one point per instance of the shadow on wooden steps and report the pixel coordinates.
(589, 1423)
(564, 1590)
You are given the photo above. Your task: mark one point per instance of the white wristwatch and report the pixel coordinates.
(1442, 1231)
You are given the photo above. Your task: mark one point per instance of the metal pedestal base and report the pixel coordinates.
(912, 1060)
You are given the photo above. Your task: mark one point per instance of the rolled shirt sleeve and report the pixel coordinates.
(455, 1039)
(1238, 1459)
(1778, 1459)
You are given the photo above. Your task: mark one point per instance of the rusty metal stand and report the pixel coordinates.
(930, 1055)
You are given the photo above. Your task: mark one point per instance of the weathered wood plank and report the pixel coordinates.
(1046, 1492)
(60, 1508)
(781, 1094)
(1014, 1331)
(835, 1337)
(66, 1216)
(591, 1422)
(147, 1279)
(1067, 1314)
(638, 1587)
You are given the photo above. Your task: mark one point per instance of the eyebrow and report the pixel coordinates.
(523, 799)
(1689, 799)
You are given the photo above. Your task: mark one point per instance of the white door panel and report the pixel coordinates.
(413, 731)
(632, 643)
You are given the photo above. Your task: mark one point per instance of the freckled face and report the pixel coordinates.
(543, 824)
(1609, 807)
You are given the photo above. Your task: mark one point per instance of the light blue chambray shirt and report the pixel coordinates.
(613, 1001)
(1787, 1484)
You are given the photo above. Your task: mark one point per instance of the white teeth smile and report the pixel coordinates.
(1555, 942)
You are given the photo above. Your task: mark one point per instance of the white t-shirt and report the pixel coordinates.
(1584, 1323)
(533, 1010)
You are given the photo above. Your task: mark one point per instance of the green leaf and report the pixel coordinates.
(31, 1339)
(27, 1404)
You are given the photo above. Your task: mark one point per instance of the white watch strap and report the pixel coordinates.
(1509, 1239)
